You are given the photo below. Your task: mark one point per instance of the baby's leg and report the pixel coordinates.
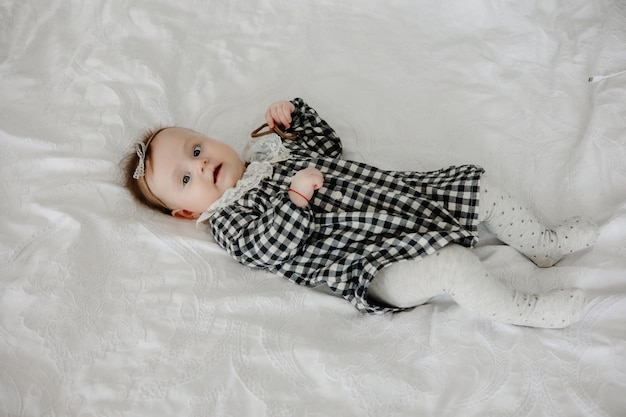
(518, 227)
(455, 270)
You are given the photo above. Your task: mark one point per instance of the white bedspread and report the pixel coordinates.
(107, 309)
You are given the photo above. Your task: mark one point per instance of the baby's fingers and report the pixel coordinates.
(315, 176)
(279, 113)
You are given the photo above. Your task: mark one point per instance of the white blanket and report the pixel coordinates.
(109, 309)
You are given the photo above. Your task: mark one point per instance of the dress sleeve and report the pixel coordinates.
(263, 239)
(314, 134)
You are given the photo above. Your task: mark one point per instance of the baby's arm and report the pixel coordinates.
(304, 184)
(263, 235)
(314, 133)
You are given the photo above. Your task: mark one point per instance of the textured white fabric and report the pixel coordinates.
(265, 149)
(107, 309)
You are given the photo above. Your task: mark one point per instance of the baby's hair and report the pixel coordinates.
(137, 184)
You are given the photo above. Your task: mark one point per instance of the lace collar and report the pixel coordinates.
(260, 154)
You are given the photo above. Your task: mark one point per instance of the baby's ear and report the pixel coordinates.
(185, 214)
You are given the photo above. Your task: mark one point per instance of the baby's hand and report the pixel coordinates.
(279, 113)
(304, 184)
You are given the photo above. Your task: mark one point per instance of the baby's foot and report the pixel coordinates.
(554, 310)
(574, 234)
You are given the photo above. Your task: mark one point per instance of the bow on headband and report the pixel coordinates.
(140, 171)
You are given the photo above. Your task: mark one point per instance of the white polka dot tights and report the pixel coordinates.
(456, 271)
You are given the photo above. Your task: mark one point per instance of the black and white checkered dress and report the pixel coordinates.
(361, 220)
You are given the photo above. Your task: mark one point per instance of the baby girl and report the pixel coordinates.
(383, 240)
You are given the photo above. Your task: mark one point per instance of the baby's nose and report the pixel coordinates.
(202, 163)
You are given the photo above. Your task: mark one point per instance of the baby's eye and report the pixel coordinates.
(196, 151)
(186, 178)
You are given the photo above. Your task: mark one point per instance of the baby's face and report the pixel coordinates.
(189, 171)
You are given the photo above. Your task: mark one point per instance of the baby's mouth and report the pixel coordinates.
(216, 172)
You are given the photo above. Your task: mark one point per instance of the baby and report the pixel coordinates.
(383, 240)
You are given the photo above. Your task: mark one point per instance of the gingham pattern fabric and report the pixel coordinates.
(362, 219)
